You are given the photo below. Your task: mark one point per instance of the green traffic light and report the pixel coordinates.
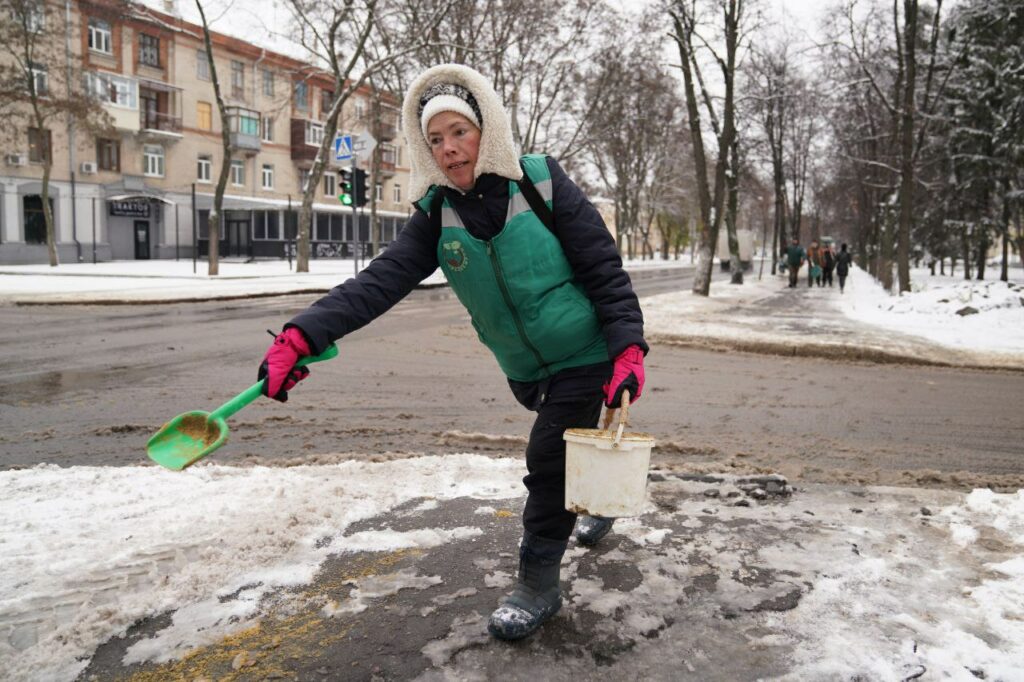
(346, 199)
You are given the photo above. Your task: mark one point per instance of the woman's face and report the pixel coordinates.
(455, 143)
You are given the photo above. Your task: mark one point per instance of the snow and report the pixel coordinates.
(90, 550)
(929, 310)
(169, 280)
(922, 323)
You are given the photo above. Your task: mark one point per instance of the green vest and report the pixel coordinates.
(519, 288)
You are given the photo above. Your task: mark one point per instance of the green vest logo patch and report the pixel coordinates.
(455, 256)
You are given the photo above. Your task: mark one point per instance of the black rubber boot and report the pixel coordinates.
(590, 529)
(536, 596)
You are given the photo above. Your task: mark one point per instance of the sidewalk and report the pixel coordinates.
(864, 323)
(389, 570)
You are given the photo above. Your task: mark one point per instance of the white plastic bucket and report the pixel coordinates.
(605, 478)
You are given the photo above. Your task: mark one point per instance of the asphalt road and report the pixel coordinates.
(87, 385)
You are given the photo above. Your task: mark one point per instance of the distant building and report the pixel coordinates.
(132, 196)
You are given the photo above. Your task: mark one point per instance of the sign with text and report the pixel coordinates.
(131, 208)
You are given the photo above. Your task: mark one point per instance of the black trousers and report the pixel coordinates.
(570, 399)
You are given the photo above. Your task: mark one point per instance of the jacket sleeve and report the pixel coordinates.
(388, 278)
(591, 251)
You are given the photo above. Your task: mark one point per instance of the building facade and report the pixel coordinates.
(145, 188)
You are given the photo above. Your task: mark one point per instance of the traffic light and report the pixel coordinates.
(347, 196)
(360, 194)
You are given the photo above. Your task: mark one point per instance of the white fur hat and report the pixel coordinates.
(498, 151)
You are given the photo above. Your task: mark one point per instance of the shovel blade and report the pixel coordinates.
(186, 439)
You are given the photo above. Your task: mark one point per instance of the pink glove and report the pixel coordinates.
(628, 374)
(278, 366)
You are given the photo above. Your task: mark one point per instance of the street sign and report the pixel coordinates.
(364, 145)
(343, 148)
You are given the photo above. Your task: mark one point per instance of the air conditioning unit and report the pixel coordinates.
(89, 167)
(15, 159)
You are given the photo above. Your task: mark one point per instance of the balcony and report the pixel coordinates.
(159, 122)
(244, 129)
(388, 131)
(119, 96)
(159, 110)
(306, 136)
(388, 159)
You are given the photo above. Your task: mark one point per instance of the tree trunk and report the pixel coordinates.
(982, 253)
(1004, 270)
(51, 231)
(732, 181)
(965, 244)
(906, 196)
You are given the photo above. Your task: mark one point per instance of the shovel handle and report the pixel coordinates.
(623, 411)
(256, 390)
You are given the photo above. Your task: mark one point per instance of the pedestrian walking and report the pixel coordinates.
(531, 260)
(813, 264)
(843, 261)
(828, 264)
(795, 256)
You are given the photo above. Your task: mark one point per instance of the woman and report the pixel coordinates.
(532, 261)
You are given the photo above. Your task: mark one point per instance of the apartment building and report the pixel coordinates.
(145, 189)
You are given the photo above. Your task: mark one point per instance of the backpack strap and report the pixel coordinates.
(434, 213)
(534, 199)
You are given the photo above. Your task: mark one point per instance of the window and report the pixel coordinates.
(314, 133)
(237, 172)
(35, 221)
(36, 19)
(302, 96)
(237, 79)
(204, 115)
(266, 225)
(108, 155)
(379, 193)
(202, 65)
(303, 179)
(326, 100)
(268, 129)
(149, 50)
(153, 160)
(246, 122)
(203, 168)
(268, 176)
(360, 108)
(111, 88)
(99, 36)
(330, 182)
(268, 82)
(396, 193)
(39, 142)
(39, 79)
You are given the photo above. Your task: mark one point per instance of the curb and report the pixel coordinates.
(186, 299)
(842, 353)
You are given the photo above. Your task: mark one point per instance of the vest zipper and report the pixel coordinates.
(500, 276)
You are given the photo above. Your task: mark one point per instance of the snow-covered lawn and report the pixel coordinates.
(929, 310)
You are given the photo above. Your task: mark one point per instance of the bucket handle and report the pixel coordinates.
(623, 418)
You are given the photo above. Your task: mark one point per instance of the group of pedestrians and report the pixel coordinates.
(821, 261)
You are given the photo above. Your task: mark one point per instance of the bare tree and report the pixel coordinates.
(42, 86)
(685, 23)
(216, 218)
(336, 36)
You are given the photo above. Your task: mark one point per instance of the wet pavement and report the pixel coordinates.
(724, 578)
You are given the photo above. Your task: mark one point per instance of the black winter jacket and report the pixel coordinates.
(412, 257)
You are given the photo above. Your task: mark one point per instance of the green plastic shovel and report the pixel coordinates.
(193, 435)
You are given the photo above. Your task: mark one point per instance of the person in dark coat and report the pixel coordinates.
(828, 264)
(795, 256)
(534, 264)
(843, 261)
